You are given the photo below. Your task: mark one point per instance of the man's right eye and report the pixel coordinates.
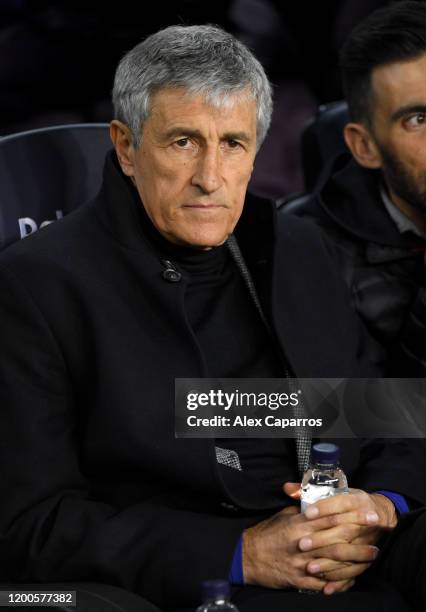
(182, 142)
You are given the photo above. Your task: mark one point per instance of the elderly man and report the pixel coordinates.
(164, 275)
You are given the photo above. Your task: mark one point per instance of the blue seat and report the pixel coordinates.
(322, 140)
(46, 173)
(322, 143)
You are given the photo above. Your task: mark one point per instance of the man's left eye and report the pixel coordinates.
(182, 142)
(419, 119)
(233, 144)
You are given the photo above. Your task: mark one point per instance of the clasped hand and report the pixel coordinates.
(324, 549)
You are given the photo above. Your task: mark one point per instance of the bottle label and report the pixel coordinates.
(314, 493)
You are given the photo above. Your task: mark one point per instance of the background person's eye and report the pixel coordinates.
(417, 120)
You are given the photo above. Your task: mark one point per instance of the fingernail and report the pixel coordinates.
(311, 512)
(372, 517)
(328, 590)
(305, 544)
(375, 551)
(314, 568)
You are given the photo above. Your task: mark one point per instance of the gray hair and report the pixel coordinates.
(203, 59)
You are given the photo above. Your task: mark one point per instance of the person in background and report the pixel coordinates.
(373, 208)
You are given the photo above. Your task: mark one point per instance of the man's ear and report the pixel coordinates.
(362, 146)
(122, 140)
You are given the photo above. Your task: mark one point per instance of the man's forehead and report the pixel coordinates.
(176, 105)
(399, 84)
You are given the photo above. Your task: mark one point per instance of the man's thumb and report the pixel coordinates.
(292, 489)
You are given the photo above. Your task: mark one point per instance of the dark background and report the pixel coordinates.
(57, 61)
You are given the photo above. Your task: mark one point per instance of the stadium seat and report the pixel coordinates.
(46, 173)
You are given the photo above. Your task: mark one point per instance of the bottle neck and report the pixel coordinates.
(217, 600)
(326, 466)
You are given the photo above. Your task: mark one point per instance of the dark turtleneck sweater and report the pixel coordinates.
(234, 343)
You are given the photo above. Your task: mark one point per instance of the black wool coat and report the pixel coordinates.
(94, 484)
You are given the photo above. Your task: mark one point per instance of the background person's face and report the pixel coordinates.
(399, 129)
(193, 165)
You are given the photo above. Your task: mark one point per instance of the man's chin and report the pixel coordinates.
(203, 243)
(204, 246)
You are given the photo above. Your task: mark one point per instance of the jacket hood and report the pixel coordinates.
(352, 199)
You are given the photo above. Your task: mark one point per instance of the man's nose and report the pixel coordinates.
(207, 175)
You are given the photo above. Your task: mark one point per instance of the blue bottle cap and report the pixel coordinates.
(325, 453)
(215, 589)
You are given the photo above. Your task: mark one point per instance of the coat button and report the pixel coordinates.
(172, 276)
(229, 506)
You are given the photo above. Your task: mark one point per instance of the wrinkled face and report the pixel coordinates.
(193, 165)
(399, 129)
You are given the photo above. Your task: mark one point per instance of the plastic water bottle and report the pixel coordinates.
(216, 595)
(324, 477)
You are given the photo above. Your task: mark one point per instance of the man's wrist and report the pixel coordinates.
(387, 510)
(399, 501)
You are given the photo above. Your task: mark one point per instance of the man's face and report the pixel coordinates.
(193, 165)
(399, 129)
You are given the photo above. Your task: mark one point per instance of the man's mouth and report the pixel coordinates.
(211, 206)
